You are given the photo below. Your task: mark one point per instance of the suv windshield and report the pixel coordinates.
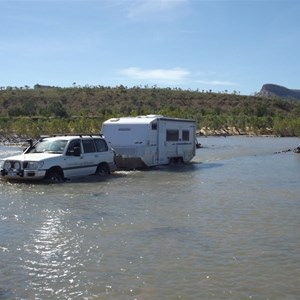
(57, 146)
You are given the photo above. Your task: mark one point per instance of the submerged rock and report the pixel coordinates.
(297, 150)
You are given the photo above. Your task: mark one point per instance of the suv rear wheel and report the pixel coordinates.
(103, 170)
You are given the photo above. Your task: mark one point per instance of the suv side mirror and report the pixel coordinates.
(77, 151)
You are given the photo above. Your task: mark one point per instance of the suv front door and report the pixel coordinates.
(73, 160)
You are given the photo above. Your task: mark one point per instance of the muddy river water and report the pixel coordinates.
(225, 226)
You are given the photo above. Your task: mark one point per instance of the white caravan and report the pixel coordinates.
(150, 140)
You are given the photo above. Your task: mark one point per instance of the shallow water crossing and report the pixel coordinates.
(225, 226)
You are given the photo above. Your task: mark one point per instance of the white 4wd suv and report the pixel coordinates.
(57, 158)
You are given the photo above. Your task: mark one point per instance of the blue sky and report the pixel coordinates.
(218, 45)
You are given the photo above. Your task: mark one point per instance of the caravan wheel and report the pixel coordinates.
(176, 160)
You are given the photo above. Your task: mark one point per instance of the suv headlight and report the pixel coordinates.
(16, 165)
(33, 165)
(7, 165)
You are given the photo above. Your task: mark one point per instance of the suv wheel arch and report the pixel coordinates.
(54, 175)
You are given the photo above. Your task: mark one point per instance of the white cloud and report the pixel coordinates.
(175, 75)
(144, 8)
(216, 82)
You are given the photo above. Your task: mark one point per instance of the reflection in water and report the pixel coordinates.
(57, 257)
(45, 252)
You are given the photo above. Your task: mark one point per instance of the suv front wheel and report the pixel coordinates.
(53, 177)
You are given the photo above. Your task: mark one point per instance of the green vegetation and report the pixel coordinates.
(48, 110)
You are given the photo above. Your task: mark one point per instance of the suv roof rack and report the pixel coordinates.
(71, 134)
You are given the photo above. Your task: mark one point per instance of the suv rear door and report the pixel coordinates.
(89, 155)
(96, 151)
(105, 154)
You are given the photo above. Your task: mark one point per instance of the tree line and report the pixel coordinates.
(47, 110)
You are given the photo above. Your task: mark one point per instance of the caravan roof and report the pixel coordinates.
(142, 119)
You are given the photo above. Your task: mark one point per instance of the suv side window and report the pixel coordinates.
(88, 146)
(101, 145)
(73, 144)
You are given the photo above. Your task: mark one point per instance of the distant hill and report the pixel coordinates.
(274, 90)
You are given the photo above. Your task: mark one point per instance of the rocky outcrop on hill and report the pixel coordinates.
(273, 90)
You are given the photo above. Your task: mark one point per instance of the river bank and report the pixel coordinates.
(234, 131)
(13, 140)
(204, 131)
(21, 140)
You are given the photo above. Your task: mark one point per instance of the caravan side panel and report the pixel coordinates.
(126, 139)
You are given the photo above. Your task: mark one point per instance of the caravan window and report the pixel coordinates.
(154, 126)
(172, 135)
(185, 135)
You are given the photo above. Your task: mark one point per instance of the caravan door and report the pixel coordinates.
(151, 151)
(168, 137)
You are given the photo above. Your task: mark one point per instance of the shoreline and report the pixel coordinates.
(21, 141)
(15, 140)
(225, 131)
